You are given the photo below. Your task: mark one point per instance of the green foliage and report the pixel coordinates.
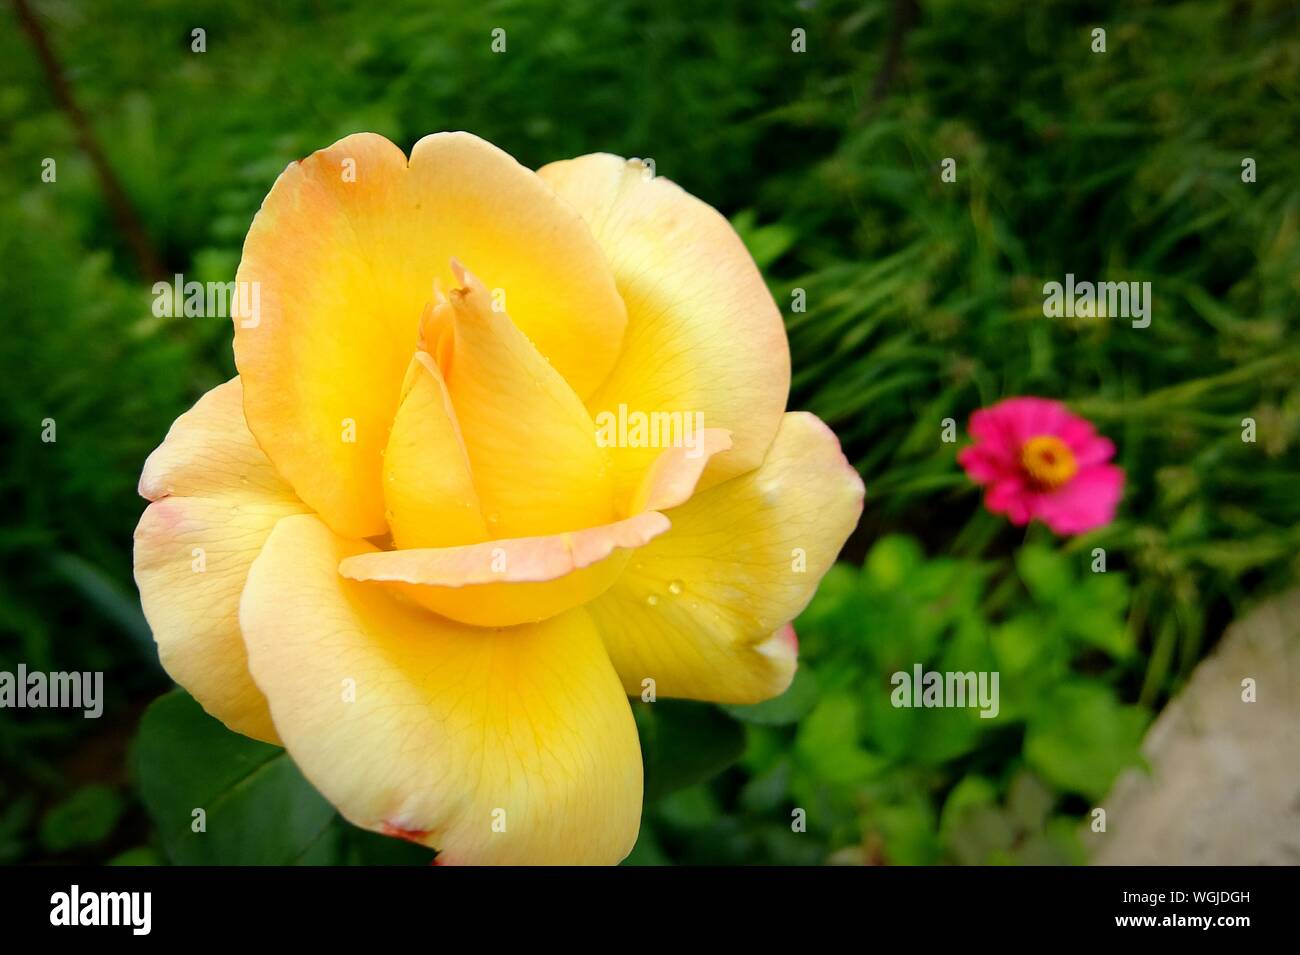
(218, 798)
(924, 298)
(790, 707)
(683, 743)
(85, 818)
(880, 782)
(16, 814)
(1080, 737)
(221, 798)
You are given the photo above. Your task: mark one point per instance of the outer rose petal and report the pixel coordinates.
(450, 724)
(699, 609)
(703, 333)
(213, 489)
(345, 252)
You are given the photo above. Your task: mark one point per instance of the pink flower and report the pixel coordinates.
(1038, 461)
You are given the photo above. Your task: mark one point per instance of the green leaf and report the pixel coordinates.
(835, 614)
(257, 809)
(684, 742)
(1058, 844)
(765, 243)
(87, 817)
(973, 792)
(1033, 656)
(828, 746)
(1082, 736)
(1095, 615)
(16, 814)
(647, 851)
(892, 560)
(1046, 573)
(140, 855)
(973, 826)
(980, 836)
(909, 832)
(109, 598)
(694, 807)
(766, 792)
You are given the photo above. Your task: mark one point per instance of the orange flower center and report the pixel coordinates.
(1048, 461)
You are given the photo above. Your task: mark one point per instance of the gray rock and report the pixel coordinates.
(1224, 780)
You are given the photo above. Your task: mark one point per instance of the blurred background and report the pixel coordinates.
(924, 302)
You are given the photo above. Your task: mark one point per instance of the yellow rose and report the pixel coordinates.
(400, 544)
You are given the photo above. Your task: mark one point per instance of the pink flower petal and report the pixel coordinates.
(1012, 498)
(1086, 502)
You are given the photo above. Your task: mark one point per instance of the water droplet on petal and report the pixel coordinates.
(675, 587)
(652, 600)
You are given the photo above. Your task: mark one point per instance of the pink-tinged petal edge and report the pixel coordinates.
(525, 559)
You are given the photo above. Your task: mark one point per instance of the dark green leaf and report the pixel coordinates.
(85, 818)
(684, 743)
(1082, 736)
(256, 807)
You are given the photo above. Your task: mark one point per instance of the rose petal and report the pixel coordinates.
(345, 253)
(493, 746)
(703, 333)
(215, 500)
(674, 475)
(531, 444)
(697, 609)
(428, 484)
(510, 581)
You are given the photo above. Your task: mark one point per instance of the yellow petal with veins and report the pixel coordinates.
(215, 500)
(701, 609)
(493, 746)
(343, 257)
(672, 478)
(531, 444)
(703, 334)
(428, 485)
